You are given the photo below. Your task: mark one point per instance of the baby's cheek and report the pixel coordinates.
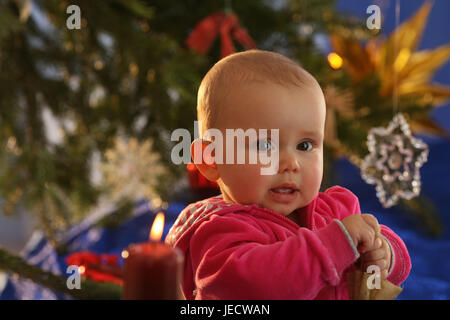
(259, 186)
(243, 181)
(314, 175)
(250, 180)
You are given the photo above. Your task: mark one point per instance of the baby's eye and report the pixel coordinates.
(263, 145)
(305, 146)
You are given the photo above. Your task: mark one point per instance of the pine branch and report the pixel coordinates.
(89, 289)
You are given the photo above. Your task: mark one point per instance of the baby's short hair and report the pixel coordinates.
(240, 69)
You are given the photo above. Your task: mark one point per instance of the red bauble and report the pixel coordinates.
(197, 180)
(98, 267)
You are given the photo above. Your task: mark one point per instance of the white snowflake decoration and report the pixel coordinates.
(132, 169)
(394, 161)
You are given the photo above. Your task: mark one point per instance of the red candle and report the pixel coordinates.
(153, 270)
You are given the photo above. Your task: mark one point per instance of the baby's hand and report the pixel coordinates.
(363, 230)
(379, 255)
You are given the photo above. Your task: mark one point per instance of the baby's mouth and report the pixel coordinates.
(284, 193)
(283, 190)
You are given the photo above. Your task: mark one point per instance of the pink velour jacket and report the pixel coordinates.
(237, 251)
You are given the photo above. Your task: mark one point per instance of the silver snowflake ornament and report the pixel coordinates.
(394, 161)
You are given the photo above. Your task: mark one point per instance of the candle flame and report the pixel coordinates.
(157, 227)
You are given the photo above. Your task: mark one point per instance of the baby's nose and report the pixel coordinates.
(289, 163)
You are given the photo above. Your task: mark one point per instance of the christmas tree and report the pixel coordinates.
(125, 73)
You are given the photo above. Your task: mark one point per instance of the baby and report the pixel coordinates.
(274, 236)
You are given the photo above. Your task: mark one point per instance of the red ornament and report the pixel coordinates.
(204, 33)
(197, 180)
(101, 268)
(82, 258)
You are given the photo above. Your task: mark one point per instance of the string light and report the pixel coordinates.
(125, 254)
(81, 269)
(335, 60)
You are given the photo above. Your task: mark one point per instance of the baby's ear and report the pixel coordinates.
(204, 161)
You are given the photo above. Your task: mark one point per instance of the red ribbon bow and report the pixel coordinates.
(204, 33)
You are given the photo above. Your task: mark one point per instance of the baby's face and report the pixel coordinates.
(299, 114)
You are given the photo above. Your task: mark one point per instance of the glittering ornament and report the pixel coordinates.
(401, 68)
(131, 170)
(394, 161)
